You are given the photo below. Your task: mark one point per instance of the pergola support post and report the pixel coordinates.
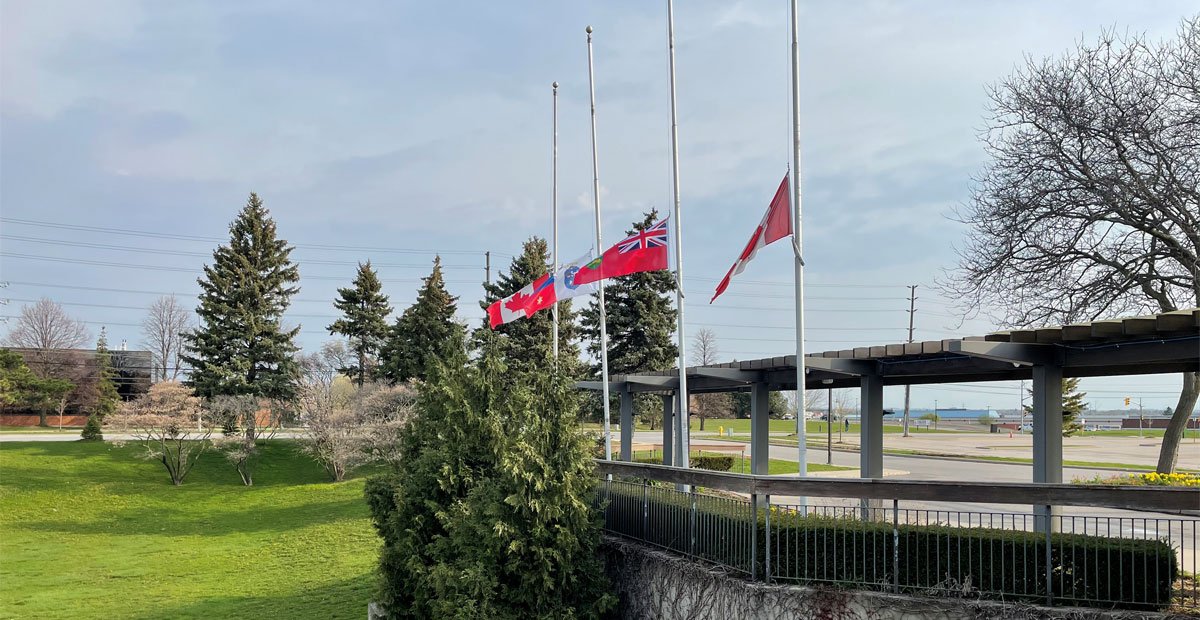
(760, 429)
(1047, 436)
(870, 429)
(626, 424)
(668, 434)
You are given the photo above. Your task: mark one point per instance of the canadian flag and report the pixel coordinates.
(542, 293)
(776, 224)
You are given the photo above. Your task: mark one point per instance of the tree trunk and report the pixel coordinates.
(1168, 455)
(702, 417)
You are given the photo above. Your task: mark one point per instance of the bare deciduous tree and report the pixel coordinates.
(163, 328)
(46, 326)
(167, 422)
(346, 426)
(704, 352)
(244, 411)
(1090, 206)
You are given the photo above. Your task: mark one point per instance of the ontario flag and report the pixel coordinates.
(542, 293)
(775, 225)
(645, 250)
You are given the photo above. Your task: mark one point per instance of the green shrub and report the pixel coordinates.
(1086, 570)
(92, 431)
(714, 462)
(488, 511)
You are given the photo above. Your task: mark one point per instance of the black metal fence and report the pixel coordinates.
(1121, 559)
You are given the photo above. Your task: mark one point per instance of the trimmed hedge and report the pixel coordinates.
(712, 462)
(933, 559)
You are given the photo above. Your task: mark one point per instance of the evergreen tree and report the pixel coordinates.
(425, 331)
(641, 315)
(1072, 406)
(490, 513)
(526, 345)
(240, 346)
(107, 397)
(366, 309)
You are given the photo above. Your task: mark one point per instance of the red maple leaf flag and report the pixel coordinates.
(535, 296)
(775, 225)
(644, 250)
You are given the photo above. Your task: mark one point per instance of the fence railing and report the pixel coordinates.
(925, 545)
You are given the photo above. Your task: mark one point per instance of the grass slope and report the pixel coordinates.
(87, 530)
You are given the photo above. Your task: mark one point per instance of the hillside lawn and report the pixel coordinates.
(87, 530)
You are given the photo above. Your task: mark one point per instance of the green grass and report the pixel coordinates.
(87, 530)
(40, 429)
(741, 464)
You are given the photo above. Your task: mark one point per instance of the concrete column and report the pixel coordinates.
(681, 428)
(668, 435)
(760, 429)
(871, 427)
(626, 425)
(1047, 435)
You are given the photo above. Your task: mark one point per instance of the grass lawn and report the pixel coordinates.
(741, 464)
(40, 429)
(89, 531)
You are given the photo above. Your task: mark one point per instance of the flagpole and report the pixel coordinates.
(599, 248)
(554, 207)
(682, 421)
(798, 246)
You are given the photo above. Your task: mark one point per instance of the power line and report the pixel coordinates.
(80, 261)
(158, 235)
(121, 248)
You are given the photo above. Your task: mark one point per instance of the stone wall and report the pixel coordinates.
(656, 585)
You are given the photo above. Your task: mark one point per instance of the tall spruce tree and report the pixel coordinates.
(107, 397)
(425, 331)
(641, 316)
(526, 345)
(240, 346)
(1072, 406)
(365, 309)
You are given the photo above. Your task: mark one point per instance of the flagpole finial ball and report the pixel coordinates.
(555, 85)
(588, 29)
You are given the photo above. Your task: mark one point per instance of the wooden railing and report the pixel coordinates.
(1144, 498)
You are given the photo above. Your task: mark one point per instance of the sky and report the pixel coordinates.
(132, 132)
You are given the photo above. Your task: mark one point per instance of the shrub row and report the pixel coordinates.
(712, 462)
(923, 559)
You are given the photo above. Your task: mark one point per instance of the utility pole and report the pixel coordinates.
(487, 267)
(1141, 418)
(912, 310)
(829, 426)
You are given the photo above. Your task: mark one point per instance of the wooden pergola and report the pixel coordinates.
(1160, 343)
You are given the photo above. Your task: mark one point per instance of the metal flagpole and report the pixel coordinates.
(682, 422)
(554, 206)
(599, 249)
(797, 245)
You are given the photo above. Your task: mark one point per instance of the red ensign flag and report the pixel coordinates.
(775, 225)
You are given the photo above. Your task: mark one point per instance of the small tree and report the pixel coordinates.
(1072, 406)
(490, 513)
(167, 423)
(704, 352)
(931, 417)
(365, 310)
(107, 399)
(347, 427)
(242, 450)
(423, 331)
(21, 386)
(163, 329)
